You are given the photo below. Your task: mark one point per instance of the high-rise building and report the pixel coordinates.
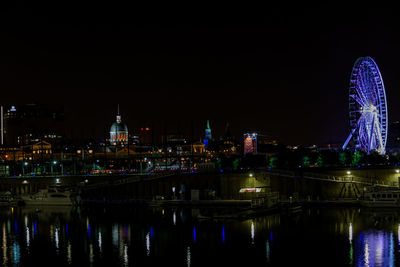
(29, 123)
(250, 143)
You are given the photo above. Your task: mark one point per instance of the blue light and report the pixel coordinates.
(35, 226)
(15, 226)
(90, 234)
(194, 234)
(272, 236)
(34, 175)
(151, 232)
(205, 142)
(66, 228)
(221, 170)
(223, 234)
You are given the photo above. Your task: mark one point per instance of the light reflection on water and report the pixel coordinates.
(375, 248)
(339, 237)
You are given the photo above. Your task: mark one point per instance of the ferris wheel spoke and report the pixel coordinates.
(358, 100)
(361, 96)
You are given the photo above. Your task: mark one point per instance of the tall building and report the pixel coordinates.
(29, 123)
(250, 143)
(118, 131)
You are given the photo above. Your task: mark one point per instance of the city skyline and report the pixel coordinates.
(285, 73)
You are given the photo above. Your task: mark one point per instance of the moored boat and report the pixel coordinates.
(381, 197)
(7, 199)
(51, 196)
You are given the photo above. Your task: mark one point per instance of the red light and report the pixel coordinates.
(141, 129)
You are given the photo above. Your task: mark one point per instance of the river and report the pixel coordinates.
(127, 236)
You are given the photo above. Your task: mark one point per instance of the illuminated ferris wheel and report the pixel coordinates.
(368, 108)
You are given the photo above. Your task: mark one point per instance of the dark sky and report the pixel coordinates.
(282, 72)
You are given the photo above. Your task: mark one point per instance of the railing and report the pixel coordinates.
(329, 178)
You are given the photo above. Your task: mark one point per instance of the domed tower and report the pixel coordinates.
(119, 132)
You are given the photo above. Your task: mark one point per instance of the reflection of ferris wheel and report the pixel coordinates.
(368, 108)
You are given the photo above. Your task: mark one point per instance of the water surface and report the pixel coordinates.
(180, 237)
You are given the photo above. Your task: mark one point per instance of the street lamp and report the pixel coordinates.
(53, 163)
(23, 167)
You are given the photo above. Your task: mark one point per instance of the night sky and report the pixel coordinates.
(282, 72)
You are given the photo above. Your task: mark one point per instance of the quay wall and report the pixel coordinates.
(210, 185)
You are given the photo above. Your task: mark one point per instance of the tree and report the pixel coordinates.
(272, 162)
(357, 156)
(320, 161)
(236, 164)
(342, 158)
(306, 161)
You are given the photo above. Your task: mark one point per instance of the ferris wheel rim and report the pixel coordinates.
(365, 68)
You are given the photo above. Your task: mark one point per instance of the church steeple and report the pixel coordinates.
(228, 131)
(208, 131)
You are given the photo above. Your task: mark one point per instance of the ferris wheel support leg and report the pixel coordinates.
(348, 140)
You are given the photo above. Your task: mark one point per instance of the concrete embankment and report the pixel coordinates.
(307, 185)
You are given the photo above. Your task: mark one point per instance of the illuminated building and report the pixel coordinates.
(41, 149)
(177, 142)
(207, 137)
(118, 131)
(250, 143)
(30, 123)
(145, 136)
(198, 147)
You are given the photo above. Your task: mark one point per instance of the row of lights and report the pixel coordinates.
(349, 172)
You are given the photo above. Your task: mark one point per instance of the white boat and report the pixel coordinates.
(381, 197)
(49, 197)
